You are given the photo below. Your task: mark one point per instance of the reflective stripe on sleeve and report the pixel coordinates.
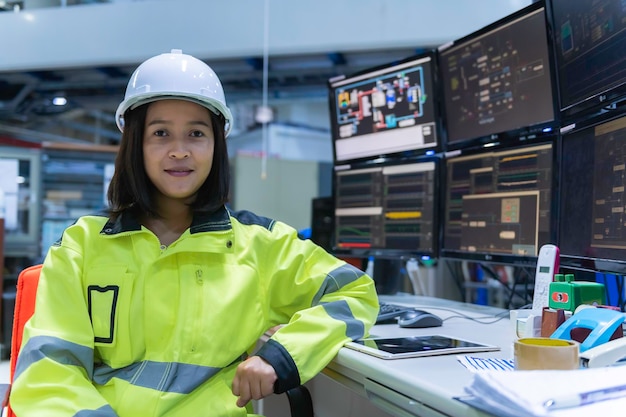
(336, 279)
(340, 310)
(58, 350)
(104, 411)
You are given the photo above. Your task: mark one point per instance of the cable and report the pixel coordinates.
(516, 278)
(493, 319)
(264, 138)
(455, 278)
(496, 277)
(619, 283)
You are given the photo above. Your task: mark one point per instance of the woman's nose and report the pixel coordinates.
(179, 150)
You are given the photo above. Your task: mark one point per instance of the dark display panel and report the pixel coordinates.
(385, 110)
(499, 204)
(590, 39)
(498, 82)
(387, 209)
(593, 199)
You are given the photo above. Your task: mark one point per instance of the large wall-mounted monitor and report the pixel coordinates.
(387, 110)
(499, 205)
(592, 221)
(387, 209)
(498, 82)
(590, 40)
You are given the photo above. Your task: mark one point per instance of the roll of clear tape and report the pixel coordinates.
(532, 353)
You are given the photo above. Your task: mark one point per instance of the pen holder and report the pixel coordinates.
(551, 319)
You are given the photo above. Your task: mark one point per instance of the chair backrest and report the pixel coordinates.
(27, 282)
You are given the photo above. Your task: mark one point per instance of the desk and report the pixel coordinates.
(355, 384)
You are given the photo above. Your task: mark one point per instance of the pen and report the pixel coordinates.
(583, 398)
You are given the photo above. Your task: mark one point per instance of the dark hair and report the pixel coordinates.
(130, 186)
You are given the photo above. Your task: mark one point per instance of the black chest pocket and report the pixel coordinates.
(102, 302)
(108, 294)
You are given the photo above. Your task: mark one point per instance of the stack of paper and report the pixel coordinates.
(584, 392)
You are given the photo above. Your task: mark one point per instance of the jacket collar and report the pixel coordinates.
(219, 220)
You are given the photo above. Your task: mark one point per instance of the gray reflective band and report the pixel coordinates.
(337, 279)
(58, 350)
(161, 376)
(104, 411)
(175, 377)
(340, 310)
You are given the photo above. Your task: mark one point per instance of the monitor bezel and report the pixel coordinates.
(594, 105)
(499, 258)
(515, 136)
(430, 54)
(388, 253)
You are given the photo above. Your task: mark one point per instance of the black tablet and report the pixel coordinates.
(417, 346)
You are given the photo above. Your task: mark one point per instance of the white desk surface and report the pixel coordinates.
(424, 386)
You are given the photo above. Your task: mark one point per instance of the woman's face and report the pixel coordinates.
(178, 147)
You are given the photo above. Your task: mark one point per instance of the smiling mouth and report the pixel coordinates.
(179, 172)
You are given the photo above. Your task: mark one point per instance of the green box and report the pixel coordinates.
(569, 294)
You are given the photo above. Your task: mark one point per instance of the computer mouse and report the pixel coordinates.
(419, 318)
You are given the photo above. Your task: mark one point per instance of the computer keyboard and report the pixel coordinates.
(389, 312)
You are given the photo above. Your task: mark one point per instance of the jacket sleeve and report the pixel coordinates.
(55, 365)
(324, 301)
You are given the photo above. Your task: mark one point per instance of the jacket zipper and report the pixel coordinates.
(198, 319)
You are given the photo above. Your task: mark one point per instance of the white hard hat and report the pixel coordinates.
(175, 75)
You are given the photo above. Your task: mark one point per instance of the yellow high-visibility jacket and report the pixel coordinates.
(124, 327)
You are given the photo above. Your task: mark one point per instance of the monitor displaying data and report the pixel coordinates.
(498, 82)
(590, 40)
(592, 221)
(387, 208)
(386, 110)
(499, 204)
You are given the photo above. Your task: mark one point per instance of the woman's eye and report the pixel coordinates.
(196, 133)
(160, 132)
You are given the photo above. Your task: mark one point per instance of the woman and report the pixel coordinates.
(154, 308)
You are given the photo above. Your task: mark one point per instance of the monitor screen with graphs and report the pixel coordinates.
(498, 205)
(498, 82)
(387, 209)
(590, 40)
(592, 221)
(390, 109)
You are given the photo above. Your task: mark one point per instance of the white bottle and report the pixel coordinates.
(369, 270)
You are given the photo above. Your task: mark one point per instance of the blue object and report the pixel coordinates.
(482, 294)
(602, 322)
(304, 233)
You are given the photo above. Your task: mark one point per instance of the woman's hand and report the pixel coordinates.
(254, 379)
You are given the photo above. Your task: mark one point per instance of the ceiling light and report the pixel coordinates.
(59, 101)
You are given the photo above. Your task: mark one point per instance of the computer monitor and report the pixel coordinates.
(386, 110)
(498, 82)
(590, 40)
(499, 205)
(592, 221)
(387, 209)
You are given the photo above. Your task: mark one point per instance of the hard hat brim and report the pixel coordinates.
(213, 105)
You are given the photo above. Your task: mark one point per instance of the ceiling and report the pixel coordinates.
(28, 110)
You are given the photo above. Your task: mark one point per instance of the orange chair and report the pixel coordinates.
(300, 403)
(24, 308)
